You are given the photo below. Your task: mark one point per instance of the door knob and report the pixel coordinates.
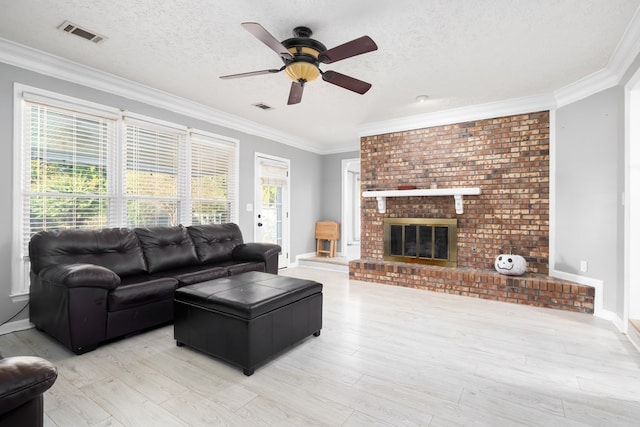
(259, 224)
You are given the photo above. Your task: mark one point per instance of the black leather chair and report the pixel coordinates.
(23, 380)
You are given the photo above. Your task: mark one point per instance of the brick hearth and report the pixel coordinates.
(531, 289)
(508, 159)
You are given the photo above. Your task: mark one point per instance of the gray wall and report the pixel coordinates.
(306, 169)
(332, 187)
(589, 185)
(589, 181)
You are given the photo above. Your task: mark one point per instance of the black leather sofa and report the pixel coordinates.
(90, 286)
(23, 380)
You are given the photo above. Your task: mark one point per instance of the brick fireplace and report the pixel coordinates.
(508, 159)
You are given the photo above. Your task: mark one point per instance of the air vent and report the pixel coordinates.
(263, 106)
(71, 28)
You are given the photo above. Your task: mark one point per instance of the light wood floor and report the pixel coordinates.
(387, 356)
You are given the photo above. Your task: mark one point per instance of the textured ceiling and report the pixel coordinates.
(459, 52)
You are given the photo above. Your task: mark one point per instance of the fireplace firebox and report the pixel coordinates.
(421, 240)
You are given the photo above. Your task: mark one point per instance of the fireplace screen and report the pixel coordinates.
(421, 240)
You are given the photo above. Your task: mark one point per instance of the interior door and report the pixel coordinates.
(272, 203)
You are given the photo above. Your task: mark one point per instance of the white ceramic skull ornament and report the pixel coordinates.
(511, 265)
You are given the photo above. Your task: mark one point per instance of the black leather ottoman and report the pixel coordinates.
(247, 319)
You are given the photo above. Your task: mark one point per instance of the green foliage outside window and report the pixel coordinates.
(83, 206)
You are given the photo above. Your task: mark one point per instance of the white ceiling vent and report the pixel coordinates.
(71, 28)
(263, 106)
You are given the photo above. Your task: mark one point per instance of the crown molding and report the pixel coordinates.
(587, 86)
(623, 56)
(43, 63)
(459, 115)
(625, 53)
(342, 148)
(627, 50)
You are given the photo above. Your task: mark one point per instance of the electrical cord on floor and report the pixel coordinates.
(15, 315)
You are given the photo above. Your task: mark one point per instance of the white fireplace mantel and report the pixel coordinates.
(457, 194)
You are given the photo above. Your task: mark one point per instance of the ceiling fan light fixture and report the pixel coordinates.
(306, 50)
(305, 71)
(302, 56)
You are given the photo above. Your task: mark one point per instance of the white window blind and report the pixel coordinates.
(66, 169)
(213, 180)
(152, 178)
(83, 165)
(273, 174)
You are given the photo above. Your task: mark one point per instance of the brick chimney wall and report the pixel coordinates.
(508, 159)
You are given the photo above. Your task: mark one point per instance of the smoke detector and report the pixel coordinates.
(71, 28)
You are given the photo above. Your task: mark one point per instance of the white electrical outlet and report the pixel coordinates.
(583, 266)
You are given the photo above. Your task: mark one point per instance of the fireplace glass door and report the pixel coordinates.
(421, 240)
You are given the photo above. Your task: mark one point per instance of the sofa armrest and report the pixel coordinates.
(24, 378)
(265, 252)
(255, 251)
(80, 275)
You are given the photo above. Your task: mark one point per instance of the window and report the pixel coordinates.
(213, 179)
(86, 167)
(152, 184)
(66, 167)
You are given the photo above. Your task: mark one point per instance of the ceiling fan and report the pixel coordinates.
(302, 56)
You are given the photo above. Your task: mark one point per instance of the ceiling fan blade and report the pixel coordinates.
(265, 37)
(346, 82)
(295, 94)
(251, 73)
(355, 47)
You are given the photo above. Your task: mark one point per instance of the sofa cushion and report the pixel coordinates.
(165, 248)
(141, 290)
(243, 267)
(215, 242)
(194, 274)
(238, 267)
(114, 248)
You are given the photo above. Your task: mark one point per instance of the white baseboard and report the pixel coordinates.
(302, 256)
(619, 323)
(319, 265)
(325, 266)
(598, 311)
(307, 255)
(18, 325)
(299, 257)
(613, 318)
(634, 336)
